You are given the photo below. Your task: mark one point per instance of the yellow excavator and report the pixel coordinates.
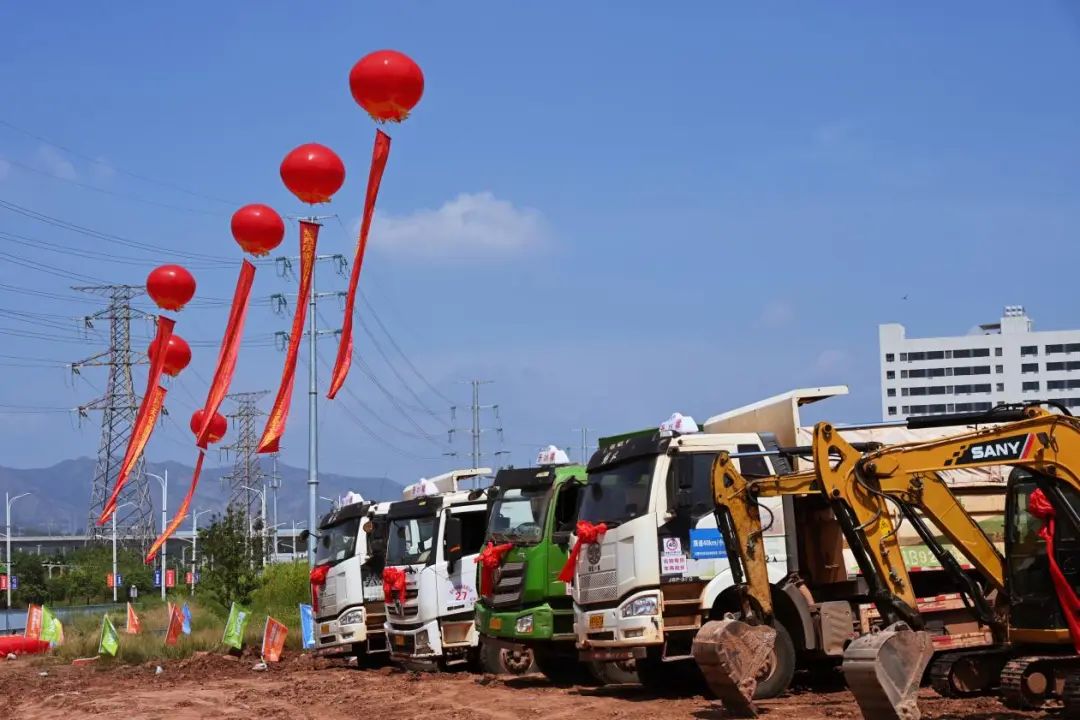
(1033, 655)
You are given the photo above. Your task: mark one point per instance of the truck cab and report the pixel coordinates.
(658, 569)
(346, 585)
(434, 537)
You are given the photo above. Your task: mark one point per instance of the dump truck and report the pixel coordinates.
(523, 607)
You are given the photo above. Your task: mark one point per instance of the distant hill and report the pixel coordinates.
(61, 494)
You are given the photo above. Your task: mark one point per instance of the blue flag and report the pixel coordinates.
(186, 627)
(307, 626)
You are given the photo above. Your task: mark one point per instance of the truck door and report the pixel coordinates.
(457, 585)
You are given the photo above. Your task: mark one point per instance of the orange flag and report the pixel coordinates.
(33, 622)
(273, 640)
(132, 627)
(176, 625)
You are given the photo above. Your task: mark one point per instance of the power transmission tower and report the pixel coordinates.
(247, 471)
(585, 447)
(477, 430)
(118, 406)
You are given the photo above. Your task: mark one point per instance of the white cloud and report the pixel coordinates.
(53, 162)
(472, 225)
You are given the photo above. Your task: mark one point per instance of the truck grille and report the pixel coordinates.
(597, 587)
(511, 582)
(409, 609)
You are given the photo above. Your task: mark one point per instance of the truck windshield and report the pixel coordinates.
(411, 541)
(337, 543)
(518, 515)
(618, 493)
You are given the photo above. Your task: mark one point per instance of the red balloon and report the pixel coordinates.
(313, 173)
(257, 228)
(170, 287)
(177, 355)
(388, 84)
(218, 425)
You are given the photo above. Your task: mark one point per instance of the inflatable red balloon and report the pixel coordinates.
(313, 173)
(218, 425)
(257, 228)
(388, 84)
(170, 287)
(177, 355)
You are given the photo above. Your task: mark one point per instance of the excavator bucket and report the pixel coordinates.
(731, 655)
(884, 669)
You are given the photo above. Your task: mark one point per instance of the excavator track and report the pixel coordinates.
(1071, 696)
(732, 654)
(1027, 682)
(966, 673)
(884, 669)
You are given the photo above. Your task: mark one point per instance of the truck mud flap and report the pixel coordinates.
(731, 655)
(884, 669)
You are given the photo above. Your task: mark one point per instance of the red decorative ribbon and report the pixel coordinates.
(318, 582)
(1040, 507)
(490, 558)
(379, 155)
(275, 423)
(230, 348)
(180, 514)
(393, 581)
(587, 534)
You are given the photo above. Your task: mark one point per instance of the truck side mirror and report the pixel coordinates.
(304, 536)
(452, 541)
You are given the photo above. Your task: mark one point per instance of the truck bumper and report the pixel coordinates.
(604, 634)
(334, 637)
(422, 643)
(517, 629)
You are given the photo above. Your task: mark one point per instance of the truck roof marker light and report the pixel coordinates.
(350, 498)
(552, 455)
(678, 424)
(420, 489)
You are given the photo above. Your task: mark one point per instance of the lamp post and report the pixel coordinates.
(262, 500)
(195, 543)
(116, 511)
(8, 502)
(164, 482)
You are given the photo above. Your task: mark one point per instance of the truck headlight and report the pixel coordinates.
(647, 605)
(422, 642)
(524, 624)
(353, 617)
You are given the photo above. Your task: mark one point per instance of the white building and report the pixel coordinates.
(1002, 362)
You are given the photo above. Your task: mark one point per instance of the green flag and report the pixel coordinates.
(234, 628)
(51, 631)
(110, 640)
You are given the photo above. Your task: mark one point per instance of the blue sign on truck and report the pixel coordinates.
(707, 544)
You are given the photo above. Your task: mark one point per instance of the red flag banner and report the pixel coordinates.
(230, 348)
(176, 625)
(133, 625)
(180, 514)
(273, 640)
(33, 622)
(379, 156)
(275, 424)
(141, 431)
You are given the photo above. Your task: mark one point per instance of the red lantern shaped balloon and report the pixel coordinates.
(177, 355)
(257, 228)
(313, 173)
(218, 425)
(388, 84)
(170, 287)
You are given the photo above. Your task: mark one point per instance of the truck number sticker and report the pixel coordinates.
(461, 594)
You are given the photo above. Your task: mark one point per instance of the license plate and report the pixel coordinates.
(495, 623)
(325, 628)
(399, 640)
(596, 622)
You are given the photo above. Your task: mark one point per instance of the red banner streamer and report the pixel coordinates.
(275, 424)
(379, 156)
(230, 348)
(1039, 506)
(587, 534)
(490, 558)
(180, 514)
(144, 424)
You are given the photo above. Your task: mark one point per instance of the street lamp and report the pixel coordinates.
(262, 500)
(164, 482)
(8, 502)
(194, 543)
(116, 511)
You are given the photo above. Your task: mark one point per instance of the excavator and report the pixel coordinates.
(1034, 654)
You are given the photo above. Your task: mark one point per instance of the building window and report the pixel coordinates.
(980, 370)
(889, 357)
(935, 372)
(891, 392)
(1030, 368)
(1055, 366)
(935, 355)
(961, 353)
(980, 352)
(922, 391)
(997, 352)
(905, 391)
(903, 357)
(1055, 384)
(1000, 387)
(948, 353)
(890, 374)
(1029, 350)
(1032, 386)
(937, 408)
(905, 409)
(903, 374)
(1054, 349)
(892, 409)
(999, 369)
(938, 390)
(916, 356)
(916, 373)
(1072, 347)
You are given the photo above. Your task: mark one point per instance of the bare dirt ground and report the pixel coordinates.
(213, 686)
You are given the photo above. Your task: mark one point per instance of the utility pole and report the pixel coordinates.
(584, 444)
(247, 470)
(279, 302)
(477, 429)
(8, 502)
(118, 407)
(164, 482)
(275, 484)
(194, 547)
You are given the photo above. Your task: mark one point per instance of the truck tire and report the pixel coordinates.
(497, 661)
(781, 667)
(562, 669)
(614, 673)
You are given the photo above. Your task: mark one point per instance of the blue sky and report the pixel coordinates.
(614, 210)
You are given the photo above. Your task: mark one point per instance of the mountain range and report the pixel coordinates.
(60, 495)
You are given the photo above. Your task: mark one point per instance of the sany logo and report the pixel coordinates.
(1017, 447)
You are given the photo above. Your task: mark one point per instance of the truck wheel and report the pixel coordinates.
(498, 661)
(562, 669)
(781, 668)
(614, 673)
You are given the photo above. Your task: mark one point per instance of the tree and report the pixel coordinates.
(32, 580)
(226, 554)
